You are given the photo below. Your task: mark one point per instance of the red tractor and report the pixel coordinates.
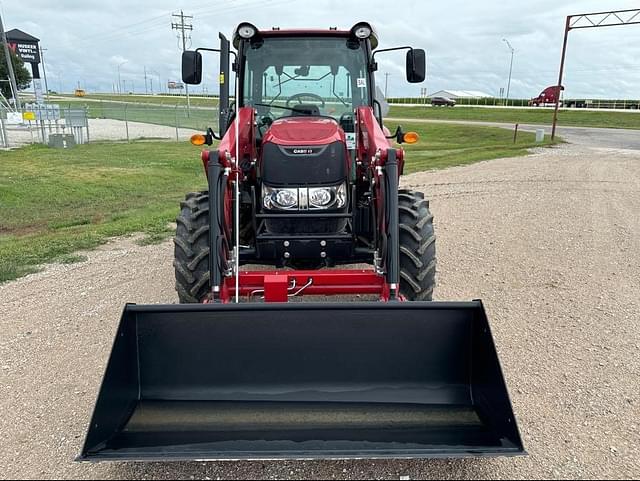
(317, 177)
(304, 179)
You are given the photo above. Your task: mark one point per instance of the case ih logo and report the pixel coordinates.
(302, 151)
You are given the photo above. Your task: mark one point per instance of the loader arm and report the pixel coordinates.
(383, 164)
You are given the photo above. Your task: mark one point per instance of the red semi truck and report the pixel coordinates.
(547, 97)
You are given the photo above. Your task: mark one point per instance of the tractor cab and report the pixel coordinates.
(303, 98)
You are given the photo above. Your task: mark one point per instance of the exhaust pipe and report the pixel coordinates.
(302, 381)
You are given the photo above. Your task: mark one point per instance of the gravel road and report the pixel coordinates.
(550, 242)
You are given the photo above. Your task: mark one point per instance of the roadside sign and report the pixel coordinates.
(29, 116)
(14, 118)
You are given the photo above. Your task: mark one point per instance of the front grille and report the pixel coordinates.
(304, 165)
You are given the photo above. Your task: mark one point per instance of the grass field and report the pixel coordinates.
(164, 100)
(56, 202)
(141, 106)
(172, 111)
(161, 114)
(575, 118)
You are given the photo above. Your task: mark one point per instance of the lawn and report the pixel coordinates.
(576, 118)
(198, 118)
(56, 202)
(446, 145)
(111, 106)
(166, 100)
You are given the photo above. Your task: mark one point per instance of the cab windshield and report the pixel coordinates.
(325, 76)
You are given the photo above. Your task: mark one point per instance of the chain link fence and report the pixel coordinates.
(64, 124)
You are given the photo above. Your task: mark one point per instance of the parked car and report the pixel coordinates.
(443, 101)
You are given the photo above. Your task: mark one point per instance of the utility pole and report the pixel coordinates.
(510, 67)
(146, 92)
(119, 79)
(44, 71)
(183, 28)
(386, 83)
(12, 75)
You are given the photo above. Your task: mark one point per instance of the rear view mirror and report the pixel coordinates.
(191, 67)
(416, 66)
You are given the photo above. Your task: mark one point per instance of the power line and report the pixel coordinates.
(158, 20)
(183, 27)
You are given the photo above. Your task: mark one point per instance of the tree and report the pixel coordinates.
(23, 77)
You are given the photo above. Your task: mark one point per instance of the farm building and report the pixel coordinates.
(461, 94)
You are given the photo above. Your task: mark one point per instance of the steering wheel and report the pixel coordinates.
(302, 95)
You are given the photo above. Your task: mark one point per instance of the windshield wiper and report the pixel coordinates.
(293, 109)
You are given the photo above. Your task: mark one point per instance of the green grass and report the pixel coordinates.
(447, 145)
(55, 202)
(196, 118)
(147, 99)
(577, 118)
(162, 110)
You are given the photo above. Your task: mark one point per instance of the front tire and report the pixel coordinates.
(417, 247)
(191, 258)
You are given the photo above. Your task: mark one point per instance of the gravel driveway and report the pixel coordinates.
(550, 242)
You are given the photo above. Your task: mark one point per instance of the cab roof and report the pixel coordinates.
(306, 32)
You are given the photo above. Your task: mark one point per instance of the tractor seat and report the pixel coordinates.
(305, 110)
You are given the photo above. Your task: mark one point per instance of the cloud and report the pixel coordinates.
(86, 41)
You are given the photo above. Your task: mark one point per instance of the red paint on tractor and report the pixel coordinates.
(246, 128)
(305, 283)
(372, 140)
(307, 131)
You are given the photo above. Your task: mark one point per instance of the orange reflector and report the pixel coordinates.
(411, 138)
(198, 139)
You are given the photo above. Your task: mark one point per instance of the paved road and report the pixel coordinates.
(585, 136)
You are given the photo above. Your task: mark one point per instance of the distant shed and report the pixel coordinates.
(461, 94)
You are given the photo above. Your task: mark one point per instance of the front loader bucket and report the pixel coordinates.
(302, 381)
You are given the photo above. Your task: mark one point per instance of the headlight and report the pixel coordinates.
(362, 30)
(341, 196)
(280, 198)
(320, 197)
(247, 31)
(303, 198)
(287, 198)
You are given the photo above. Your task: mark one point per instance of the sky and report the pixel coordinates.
(86, 41)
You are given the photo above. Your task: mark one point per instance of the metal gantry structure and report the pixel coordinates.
(590, 20)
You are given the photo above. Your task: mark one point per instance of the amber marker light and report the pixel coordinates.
(198, 139)
(411, 138)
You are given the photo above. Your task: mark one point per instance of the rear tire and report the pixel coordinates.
(417, 247)
(191, 259)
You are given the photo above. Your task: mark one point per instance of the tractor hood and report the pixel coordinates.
(304, 131)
